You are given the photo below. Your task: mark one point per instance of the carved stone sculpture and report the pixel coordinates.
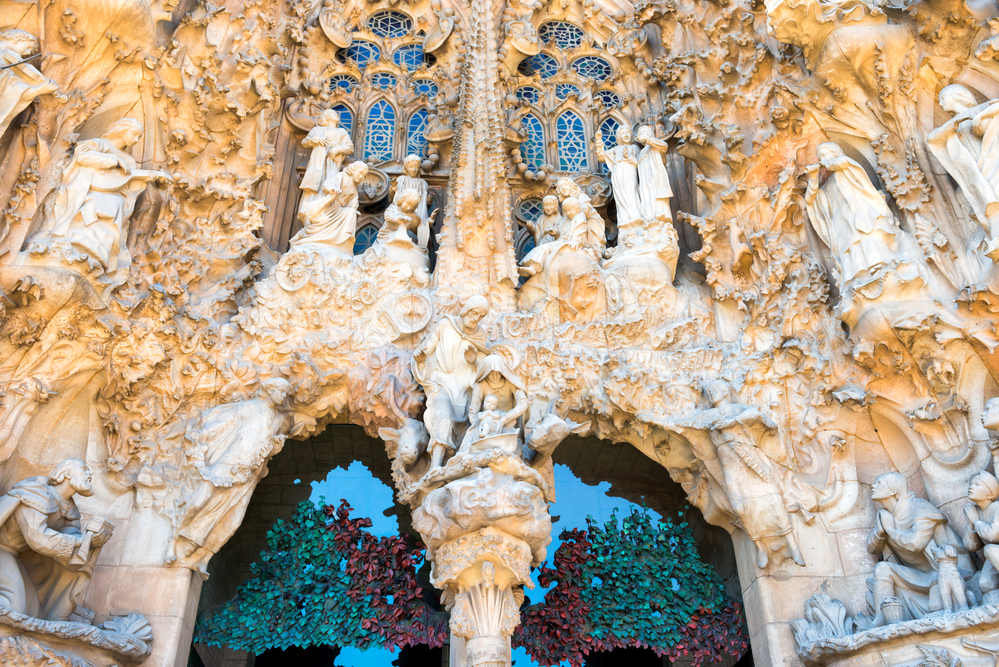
(596, 233)
(547, 230)
(331, 218)
(330, 144)
(88, 226)
(982, 531)
(410, 180)
(446, 365)
(495, 380)
(653, 179)
(906, 532)
(20, 81)
(622, 160)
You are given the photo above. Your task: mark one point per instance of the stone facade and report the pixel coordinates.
(754, 241)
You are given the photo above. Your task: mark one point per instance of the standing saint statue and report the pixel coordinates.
(46, 554)
(653, 179)
(330, 144)
(94, 201)
(331, 218)
(410, 180)
(751, 478)
(446, 364)
(968, 148)
(622, 160)
(20, 82)
(850, 216)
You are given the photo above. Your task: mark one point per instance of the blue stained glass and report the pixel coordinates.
(571, 142)
(389, 24)
(542, 64)
(592, 67)
(527, 247)
(412, 57)
(564, 90)
(529, 94)
(379, 135)
(364, 238)
(565, 35)
(383, 80)
(346, 117)
(417, 144)
(425, 87)
(344, 81)
(530, 209)
(360, 52)
(608, 129)
(533, 150)
(608, 98)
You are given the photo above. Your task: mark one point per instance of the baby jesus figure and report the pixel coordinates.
(492, 421)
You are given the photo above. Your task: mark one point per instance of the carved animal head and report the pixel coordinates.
(410, 441)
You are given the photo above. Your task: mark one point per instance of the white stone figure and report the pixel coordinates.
(905, 533)
(399, 219)
(46, 554)
(952, 589)
(94, 201)
(751, 480)
(546, 230)
(622, 160)
(596, 232)
(229, 448)
(446, 363)
(495, 378)
(20, 83)
(331, 219)
(850, 216)
(410, 180)
(982, 531)
(20, 404)
(653, 179)
(330, 144)
(491, 420)
(968, 148)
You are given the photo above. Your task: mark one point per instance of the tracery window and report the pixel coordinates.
(530, 209)
(533, 150)
(361, 53)
(541, 64)
(417, 144)
(346, 118)
(390, 24)
(383, 80)
(571, 136)
(344, 81)
(592, 67)
(529, 94)
(608, 129)
(425, 87)
(608, 98)
(565, 35)
(411, 57)
(379, 133)
(364, 238)
(564, 90)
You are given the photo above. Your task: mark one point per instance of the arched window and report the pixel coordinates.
(529, 94)
(541, 64)
(530, 209)
(425, 87)
(417, 144)
(527, 245)
(571, 135)
(608, 98)
(592, 67)
(360, 52)
(346, 118)
(411, 57)
(564, 90)
(608, 129)
(364, 238)
(379, 135)
(344, 81)
(533, 150)
(383, 80)
(389, 24)
(565, 35)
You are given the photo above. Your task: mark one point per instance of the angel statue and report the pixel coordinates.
(20, 81)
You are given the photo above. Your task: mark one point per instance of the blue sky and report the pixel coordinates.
(370, 498)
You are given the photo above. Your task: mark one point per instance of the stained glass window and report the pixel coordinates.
(564, 90)
(542, 64)
(360, 52)
(565, 35)
(417, 144)
(383, 80)
(379, 135)
(608, 98)
(527, 246)
(608, 129)
(344, 81)
(364, 238)
(412, 57)
(530, 209)
(425, 87)
(571, 142)
(390, 24)
(346, 117)
(529, 94)
(533, 150)
(592, 67)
